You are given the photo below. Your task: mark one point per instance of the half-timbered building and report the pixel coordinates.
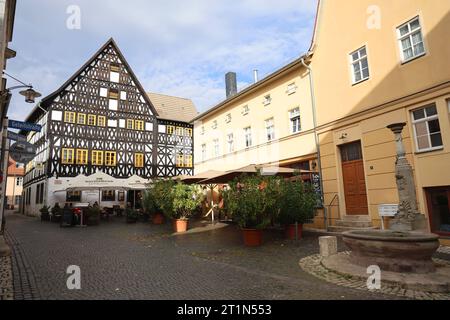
(102, 119)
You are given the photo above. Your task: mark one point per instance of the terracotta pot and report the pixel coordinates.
(180, 225)
(158, 219)
(290, 231)
(252, 237)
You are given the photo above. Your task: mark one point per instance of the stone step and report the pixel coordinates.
(355, 224)
(343, 229)
(357, 218)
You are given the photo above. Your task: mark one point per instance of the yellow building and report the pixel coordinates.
(376, 63)
(269, 122)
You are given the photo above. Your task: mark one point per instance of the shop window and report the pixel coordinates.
(439, 209)
(73, 196)
(108, 195)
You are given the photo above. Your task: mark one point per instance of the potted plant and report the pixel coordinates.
(93, 216)
(45, 213)
(151, 208)
(131, 215)
(163, 197)
(251, 204)
(297, 206)
(186, 199)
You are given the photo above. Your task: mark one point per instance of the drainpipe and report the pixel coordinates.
(316, 137)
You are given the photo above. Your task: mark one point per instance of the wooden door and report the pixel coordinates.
(354, 179)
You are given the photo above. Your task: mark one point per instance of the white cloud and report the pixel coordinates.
(175, 47)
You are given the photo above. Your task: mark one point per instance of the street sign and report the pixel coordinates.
(26, 126)
(22, 152)
(16, 137)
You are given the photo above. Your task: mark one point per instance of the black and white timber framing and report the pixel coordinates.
(106, 76)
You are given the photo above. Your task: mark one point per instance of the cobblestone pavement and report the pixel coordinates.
(6, 280)
(142, 261)
(312, 264)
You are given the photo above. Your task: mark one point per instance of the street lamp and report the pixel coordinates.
(30, 95)
(5, 96)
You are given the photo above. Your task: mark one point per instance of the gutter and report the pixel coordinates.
(316, 137)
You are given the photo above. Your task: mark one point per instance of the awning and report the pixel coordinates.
(198, 177)
(226, 177)
(103, 181)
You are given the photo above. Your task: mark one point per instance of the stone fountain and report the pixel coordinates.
(406, 246)
(404, 251)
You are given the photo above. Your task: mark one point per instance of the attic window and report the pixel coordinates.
(267, 100)
(245, 110)
(114, 94)
(114, 67)
(214, 125)
(228, 118)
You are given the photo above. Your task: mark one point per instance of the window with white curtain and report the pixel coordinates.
(411, 40)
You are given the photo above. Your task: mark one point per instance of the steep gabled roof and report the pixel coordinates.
(173, 108)
(45, 102)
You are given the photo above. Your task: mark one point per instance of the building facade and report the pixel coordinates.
(375, 64)
(270, 122)
(14, 184)
(101, 119)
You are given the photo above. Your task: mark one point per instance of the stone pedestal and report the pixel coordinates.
(328, 246)
(408, 217)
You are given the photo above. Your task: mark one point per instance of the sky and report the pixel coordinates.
(176, 47)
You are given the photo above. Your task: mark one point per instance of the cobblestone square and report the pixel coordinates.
(142, 261)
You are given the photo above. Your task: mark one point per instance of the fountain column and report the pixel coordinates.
(408, 217)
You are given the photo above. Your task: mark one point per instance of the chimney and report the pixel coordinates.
(231, 84)
(255, 75)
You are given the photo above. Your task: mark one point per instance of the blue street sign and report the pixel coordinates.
(16, 137)
(26, 126)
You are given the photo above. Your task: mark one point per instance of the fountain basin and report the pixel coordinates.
(405, 252)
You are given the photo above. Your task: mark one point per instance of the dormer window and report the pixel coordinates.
(267, 100)
(228, 118)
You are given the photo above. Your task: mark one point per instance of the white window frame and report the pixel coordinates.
(270, 129)
(291, 88)
(359, 63)
(248, 134)
(410, 36)
(292, 116)
(204, 152)
(267, 99)
(230, 142)
(216, 148)
(426, 119)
